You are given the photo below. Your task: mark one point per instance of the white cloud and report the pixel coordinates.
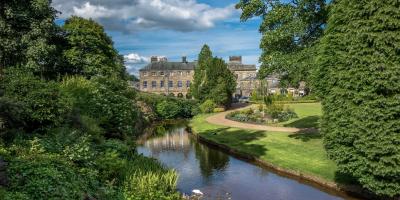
(134, 58)
(134, 15)
(134, 61)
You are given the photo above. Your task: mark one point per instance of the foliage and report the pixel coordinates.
(167, 110)
(28, 36)
(212, 79)
(208, 106)
(360, 86)
(90, 50)
(247, 115)
(217, 110)
(108, 100)
(149, 180)
(291, 30)
(40, 102)
(179, 108)
(279, 112)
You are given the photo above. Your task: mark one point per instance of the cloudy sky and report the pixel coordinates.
(171, 28)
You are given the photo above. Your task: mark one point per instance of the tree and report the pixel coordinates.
(291, 30)
(28, 36)
(359, 77)
(198, 88)
(90, 51)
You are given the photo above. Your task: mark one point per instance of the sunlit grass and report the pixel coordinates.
(301, 152)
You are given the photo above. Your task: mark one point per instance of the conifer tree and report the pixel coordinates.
(359, 80)
(198, 89)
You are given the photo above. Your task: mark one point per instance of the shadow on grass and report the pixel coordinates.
(306, 122)
(306, 135)
(238, 139)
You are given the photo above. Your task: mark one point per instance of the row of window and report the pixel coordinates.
(170, 84)
(161, 73)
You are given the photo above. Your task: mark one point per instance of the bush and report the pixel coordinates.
(167, 110)
(208, 106)
(247, 115)
(217, 110)
(109, 102)
(40, 102)
(148, 179)
(279, 112)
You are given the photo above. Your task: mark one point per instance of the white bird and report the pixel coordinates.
(197, 192)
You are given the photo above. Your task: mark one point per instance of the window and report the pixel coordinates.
(161, 83)
(180, 84)
(153, 73)
(171, 74)
(153, 84)
(188, 73)
(170, 84)
(180, 73)
(187, 83)
(144, 84)
(161, 73)
(144, 73)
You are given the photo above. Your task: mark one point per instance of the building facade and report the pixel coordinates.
(246, 76)
(167, 78)
(174, 78)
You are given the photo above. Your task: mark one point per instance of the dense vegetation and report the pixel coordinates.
(356, 74)
(68, 118)
(290, 34)
(360, 87)
(212, 79)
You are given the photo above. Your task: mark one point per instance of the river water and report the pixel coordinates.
(222, 176)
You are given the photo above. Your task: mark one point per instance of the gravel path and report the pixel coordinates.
(219, 119)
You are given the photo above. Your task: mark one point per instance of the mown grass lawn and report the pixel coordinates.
(308, 114)
(301, 152)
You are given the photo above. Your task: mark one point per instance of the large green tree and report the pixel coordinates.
(90, 50)
(212, 79)
(28, 36)
(198, 88)
(359, 80)
(290, 31)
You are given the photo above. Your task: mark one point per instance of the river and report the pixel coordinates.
(222, 176)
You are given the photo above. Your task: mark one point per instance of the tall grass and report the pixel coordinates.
(148, 179)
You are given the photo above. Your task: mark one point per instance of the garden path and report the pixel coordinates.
(219, 119)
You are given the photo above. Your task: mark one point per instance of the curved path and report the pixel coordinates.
(219, 119)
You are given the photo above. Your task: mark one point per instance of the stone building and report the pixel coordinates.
(173, 78)
(246, 76)
(169, 78)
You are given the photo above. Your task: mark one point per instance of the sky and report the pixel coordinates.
(170, 28)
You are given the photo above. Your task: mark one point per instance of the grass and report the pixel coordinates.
(308, 114)
(300, 152)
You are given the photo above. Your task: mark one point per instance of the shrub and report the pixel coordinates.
(247, 115)
(148, 179)
(167, 110)
(208, 106)
(40, 102)
(217, 110)
(279, 112)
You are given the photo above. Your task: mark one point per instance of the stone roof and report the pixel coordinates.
(163, 65)
(241, 67)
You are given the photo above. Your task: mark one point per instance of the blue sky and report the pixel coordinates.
(171, 28)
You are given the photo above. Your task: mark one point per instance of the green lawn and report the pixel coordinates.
(308, 114)
(301, 152)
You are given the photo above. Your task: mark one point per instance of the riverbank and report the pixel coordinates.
(295, 154)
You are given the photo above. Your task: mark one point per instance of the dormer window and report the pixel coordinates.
(161, 73)
(153, 73)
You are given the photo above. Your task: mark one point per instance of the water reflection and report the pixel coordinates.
(218, 175)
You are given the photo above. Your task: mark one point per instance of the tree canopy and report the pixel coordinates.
(90, 50)
(290, 30)
(212, 79)
(359, 81)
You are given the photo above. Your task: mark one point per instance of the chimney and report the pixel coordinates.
(154, 59)
(184, 59)
(235, 59)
